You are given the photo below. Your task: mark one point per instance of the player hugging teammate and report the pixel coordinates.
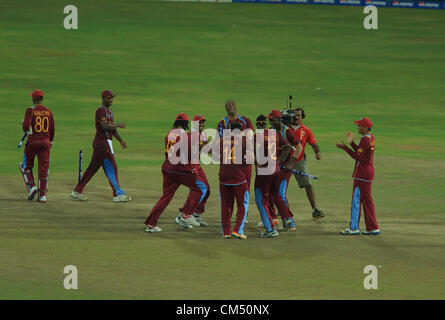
(178, 170)
(278, 141)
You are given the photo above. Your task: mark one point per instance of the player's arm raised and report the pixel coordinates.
(350, 137)
(358, 154)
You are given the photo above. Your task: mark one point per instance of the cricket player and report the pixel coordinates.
(199, 210)
(363, 176)
(263, 182)
(103, 153)
(232, 115)
(39, 124)
(288, 149)
(176, 174)
(294, 119)
(233, 183)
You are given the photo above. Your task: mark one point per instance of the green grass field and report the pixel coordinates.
(162, 58)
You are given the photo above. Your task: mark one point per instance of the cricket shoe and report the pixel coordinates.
(269, 234)
(41, 199)
(349, 232)
(200, 220)
(372, 232)
(183, 222)
(190, 219)
(239, 235)
(287, 225)
(32, 193)
(122, 198)
(78, 196)
(150, 228)
(227, 236)
(317, 214)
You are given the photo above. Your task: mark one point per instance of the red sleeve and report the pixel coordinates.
(354, 146)
(361, 151)
(28, 120)
(310, 137)
(100, 114)
(51, 127)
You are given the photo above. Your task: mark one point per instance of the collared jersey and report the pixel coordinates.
(226, 121)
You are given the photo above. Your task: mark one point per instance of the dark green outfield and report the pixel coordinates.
(162, 58)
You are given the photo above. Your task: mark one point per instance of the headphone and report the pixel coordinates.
(303, 115)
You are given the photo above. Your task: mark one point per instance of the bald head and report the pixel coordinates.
(231, 108)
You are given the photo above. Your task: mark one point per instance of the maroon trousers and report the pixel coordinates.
(39, 148)
(172, 181)
(204, 184)
(278, 192)
(361, 195)
(228, 194)
(102, 157)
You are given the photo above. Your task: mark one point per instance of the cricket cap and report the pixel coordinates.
(199, 117)
(37, 94)
(107, 93)
(182, 116)
(274, 114)
(364, 122)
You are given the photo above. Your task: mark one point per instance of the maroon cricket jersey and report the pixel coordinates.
(364, 158)
(226, 121)
(286, 136)
(40, 119)
(173, 137)
(267, 148)
(231, 173)
(103, 114)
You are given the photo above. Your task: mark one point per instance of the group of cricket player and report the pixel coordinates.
(274, 149)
